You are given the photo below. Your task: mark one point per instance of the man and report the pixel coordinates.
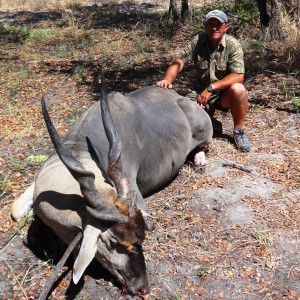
(219, 63)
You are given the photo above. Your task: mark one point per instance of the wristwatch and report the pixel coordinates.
(211, 89)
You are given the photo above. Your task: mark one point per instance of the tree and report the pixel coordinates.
(275, 26)
(184, 10)
(273, 21)
(264, 17)
(174, 12)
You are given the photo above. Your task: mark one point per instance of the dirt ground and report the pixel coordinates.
(229, 230)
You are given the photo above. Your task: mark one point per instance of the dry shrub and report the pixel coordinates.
(290, 45)
(290, 30)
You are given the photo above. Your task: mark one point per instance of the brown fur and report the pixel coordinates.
(122, 206)
(131, 233)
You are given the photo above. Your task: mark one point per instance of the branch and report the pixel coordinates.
(242, 19)
(234, 165)
(59, 266)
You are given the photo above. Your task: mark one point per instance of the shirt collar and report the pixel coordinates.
(222, 43)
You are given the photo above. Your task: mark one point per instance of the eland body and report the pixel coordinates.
(123, 147)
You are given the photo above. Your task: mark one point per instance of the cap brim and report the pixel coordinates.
(215, 17)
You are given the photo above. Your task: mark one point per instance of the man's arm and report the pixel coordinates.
(227, 81)
(172, 72)
(222, 84)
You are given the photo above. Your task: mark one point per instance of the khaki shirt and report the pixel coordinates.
(227, 58)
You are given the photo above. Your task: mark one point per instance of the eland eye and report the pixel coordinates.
(113, 242)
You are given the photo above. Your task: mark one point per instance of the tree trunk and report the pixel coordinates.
(298, 11)
(264, 17)
(173, 11)
(275, 27)
(184, 10)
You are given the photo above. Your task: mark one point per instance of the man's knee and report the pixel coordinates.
(237, 90)
(233, 95)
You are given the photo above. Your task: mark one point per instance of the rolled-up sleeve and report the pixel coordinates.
(236, 60)
(187, 54)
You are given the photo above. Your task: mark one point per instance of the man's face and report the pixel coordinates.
(215, 29)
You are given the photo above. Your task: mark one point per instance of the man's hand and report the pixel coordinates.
(203, 98)
(164, 84)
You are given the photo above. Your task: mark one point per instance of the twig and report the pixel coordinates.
(16, 279)
(8, 241)
(290, 271)
(26, 274)
(170, 290)
(59, 266)
(237, 166)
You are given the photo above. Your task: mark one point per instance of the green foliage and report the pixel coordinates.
(4, 181)
(16, 32)
(8, 27)
(139, 44)
(159, 215)
(263, 237)
(23, 74)
(83, 42)
(296, 103)
(12, 86)
(291, 96)
(7, 67)
(241, 11)
(37, 158)
(25, 31)
(166, 44)
(74, 116)
(257, 45)
(27, 218)
(42, 34)
(207, 8)
(17, 165)
(199, 26)
(246, 10)
(78, 72)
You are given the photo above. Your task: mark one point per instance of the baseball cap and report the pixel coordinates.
(217, 14)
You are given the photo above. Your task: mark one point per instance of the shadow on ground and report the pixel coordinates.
(47, 247)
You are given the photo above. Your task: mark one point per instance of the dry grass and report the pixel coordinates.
(196, 251)
(37, 5)
(291, 42)
(290, 30)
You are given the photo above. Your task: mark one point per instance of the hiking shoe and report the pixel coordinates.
(241, 140)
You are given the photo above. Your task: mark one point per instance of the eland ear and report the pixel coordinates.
(87, 251)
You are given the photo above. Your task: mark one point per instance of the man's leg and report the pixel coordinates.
(235, 98)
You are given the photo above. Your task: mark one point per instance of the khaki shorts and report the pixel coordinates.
(215, 101)
(212, 104)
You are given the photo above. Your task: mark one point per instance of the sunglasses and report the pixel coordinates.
(216, 25)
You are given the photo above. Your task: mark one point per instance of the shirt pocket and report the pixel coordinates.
(202, 70)
(201, 64)
(221, 70)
